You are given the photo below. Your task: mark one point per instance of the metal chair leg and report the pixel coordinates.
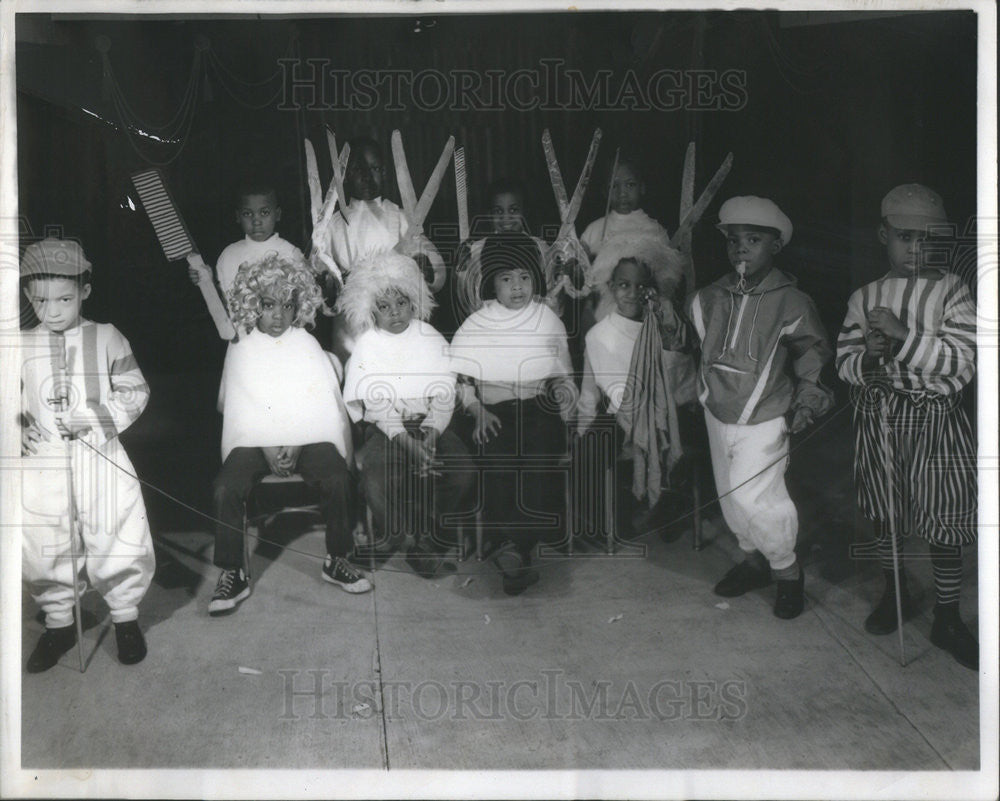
(609, 510)
(479, 536)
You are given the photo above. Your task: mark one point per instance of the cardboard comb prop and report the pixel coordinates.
(176, 241)
(566, 257)
(414, 243)
(322, 206)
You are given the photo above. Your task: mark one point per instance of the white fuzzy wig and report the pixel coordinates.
(666, 264)
(378, 275)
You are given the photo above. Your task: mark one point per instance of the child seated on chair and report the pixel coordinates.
(628, 272)
(414, 469)
(282, 413)
(515, 367)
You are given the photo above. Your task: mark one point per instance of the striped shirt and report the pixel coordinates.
(939, 353)
(88, 375)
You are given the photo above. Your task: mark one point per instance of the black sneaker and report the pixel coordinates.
(741, 579)
(883, 620)
(518, 574)
(791, 597)
(951, 634)
(51, 645)
(337, 570)
(131, 643)
(425, 563)
(232, 589)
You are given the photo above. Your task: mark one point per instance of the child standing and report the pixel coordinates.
(257, 214)
(753, 324)
(514, 362)
(415, 470)
(908, 344)
(80, 388)
(610, 343)
(282, 413)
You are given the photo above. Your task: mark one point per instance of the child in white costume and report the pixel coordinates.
(80, 388)
(282, 413)
(515, 367)
(400, 383)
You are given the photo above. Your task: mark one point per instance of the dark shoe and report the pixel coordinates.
(882, 620)
(790, 600)
(951, 634)
(518, 574)
(741, 579)
(51, 645)
(232, 589)
(424, 563)
(337, 570)
(131, 643)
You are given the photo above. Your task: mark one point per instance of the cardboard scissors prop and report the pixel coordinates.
(322, 207)
(414, 243)
(566, 259)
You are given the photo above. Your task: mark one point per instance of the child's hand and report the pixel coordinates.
(198, 273)
(802, 418)
(486, 425)
(876, 343)
(884, 321)
(288, 457)
(271, 456)
(71, 430)
(31, 433)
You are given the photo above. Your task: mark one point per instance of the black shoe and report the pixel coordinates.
(131, 643)
(232, 589)
(741, 579)
(883, 620)
(518, 574)
(425, 563)
(951, 634)
(337, 570)
(790, 600)
(51, 645)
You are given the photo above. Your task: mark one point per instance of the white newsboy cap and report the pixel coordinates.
(753, 210)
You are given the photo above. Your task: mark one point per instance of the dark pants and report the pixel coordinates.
(404, 502)
(320, 465)
(522, 482)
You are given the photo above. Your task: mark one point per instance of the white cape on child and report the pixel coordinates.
(279, 391)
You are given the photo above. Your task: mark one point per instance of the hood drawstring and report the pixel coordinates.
(753, 324)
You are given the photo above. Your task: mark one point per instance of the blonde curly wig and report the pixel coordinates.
(378, 275)
(281, 278)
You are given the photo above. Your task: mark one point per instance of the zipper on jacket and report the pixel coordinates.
(739, 318)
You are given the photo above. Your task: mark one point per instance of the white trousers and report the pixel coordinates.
(117, 549)
(749, 463)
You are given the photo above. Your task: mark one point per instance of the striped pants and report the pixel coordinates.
(915, 464)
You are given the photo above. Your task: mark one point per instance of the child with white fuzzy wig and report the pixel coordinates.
(400, 385)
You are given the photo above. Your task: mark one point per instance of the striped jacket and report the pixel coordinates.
(88, 374)
(938, 355)
(749, 341)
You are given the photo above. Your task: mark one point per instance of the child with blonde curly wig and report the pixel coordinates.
(400, 386)
(282, 413)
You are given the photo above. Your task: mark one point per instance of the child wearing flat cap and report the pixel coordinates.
(907, 347)
(762, 350)
(80, 388)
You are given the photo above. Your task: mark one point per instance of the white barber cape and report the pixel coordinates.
(279, 391)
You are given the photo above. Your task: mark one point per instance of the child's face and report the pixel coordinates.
(514, 288)
(904, 247)
(276, 316)
(507, 212)
(364, 175)
(257, 216)
(753, 246)
(393, 312)
(629, 282)
(57, 302)
(627, 190)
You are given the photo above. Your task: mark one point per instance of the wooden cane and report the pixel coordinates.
(890, 523)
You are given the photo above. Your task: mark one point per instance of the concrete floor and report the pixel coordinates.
(608, 662)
